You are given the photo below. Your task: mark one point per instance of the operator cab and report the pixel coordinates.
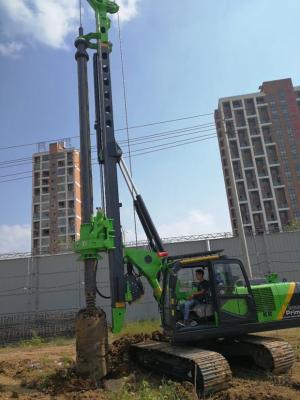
(228, 298)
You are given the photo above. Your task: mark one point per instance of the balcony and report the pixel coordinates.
(71, 211)
(36, 216)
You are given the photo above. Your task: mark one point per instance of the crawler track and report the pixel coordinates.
(270, 354)
(207, 370)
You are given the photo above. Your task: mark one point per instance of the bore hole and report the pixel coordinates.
(106, 95)
(104, 55)
(107, 109)
(105, 68)
(108, 123)
(103, 30)
(106, 81)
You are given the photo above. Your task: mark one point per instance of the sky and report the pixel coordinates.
(179, 59)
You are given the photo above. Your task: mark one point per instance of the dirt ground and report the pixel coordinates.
(47, 372)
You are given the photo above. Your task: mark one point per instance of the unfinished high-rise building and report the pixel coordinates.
(263, 131)
(56, 199)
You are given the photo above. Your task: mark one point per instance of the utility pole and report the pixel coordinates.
(240, 228)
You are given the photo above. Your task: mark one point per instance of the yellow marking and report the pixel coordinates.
(198, 259)
(120, 305)
(287, 300)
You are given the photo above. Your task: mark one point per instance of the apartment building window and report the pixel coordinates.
(292, 194)
(61, 163)
(294, 151)
(45, 190)
(251, 179)
(239, 118)
(258, 223)
(281, 198)
(253, 126)
(227, 109)
(250, 107)
(245, 213)
(260, 100)
(243, 138)
(257, 147)
(45, 232)
(230, 129)
(45, 157)
(237, 104)
(298, 169)
(272, 155)
(264, 115)
(255, 201)
(247, 158)
(237, 169)
(241, 191)
(61, 204)
(234, 149)
(270, 210)
(61, 171)
(45, 181)
(62, 221)
(261, 167)
(61, 188)
(266, 188)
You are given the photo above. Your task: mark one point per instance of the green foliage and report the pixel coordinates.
(35, 341)
(168, 390)
(294, 225)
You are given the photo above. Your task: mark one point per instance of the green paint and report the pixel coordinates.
(118, 318)
(101, 8)
(149, 264)
(95, 237)
(236, 306)
(272, 278)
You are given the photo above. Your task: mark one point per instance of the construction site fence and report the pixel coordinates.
(26, 326)
(31, 287)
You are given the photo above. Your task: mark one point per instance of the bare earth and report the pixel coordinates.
(47, 372)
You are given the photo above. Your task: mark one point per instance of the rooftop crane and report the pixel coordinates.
(235, 305)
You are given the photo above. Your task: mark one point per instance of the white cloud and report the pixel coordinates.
(128, 9)
(11, 49)
(44, 21)
(194, 223)
(14, 238)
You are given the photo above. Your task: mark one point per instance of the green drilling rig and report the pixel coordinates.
(234, 305)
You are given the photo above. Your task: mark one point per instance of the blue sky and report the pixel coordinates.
(180, 58)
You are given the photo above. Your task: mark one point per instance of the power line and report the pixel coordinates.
(116, 130)
(142, 151)
(22, 161)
